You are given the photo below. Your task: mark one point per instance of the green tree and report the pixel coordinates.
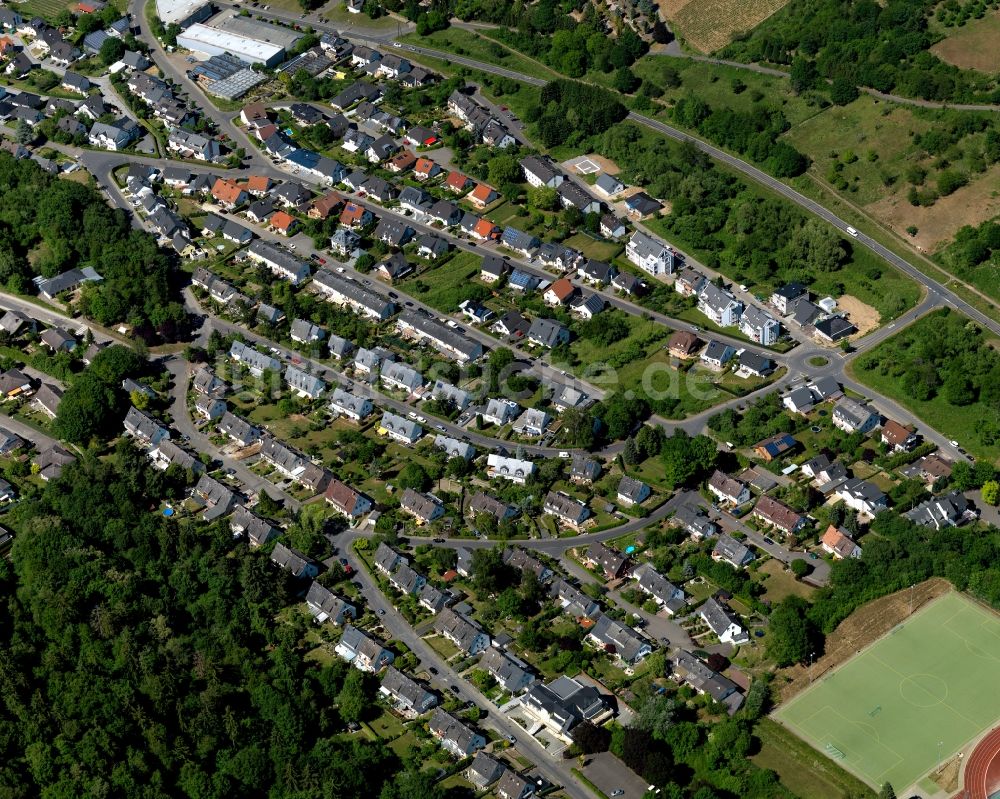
(791, 635)
(412, 475)
(886, 791)
(353, 699)
(24, 133)
(991, 492)
(799, 568)
(112, 50)
(843, 91)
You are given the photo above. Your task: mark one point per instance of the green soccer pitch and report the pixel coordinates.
(910, 700)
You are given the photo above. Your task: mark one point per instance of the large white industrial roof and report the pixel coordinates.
(250, 50)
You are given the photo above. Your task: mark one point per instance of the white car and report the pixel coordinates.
(954, 443)
(564, 455)
(743, 287)
(852, 231)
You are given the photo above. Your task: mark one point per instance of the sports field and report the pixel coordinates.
(914, 697)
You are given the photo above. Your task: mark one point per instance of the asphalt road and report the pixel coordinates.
(555, 770)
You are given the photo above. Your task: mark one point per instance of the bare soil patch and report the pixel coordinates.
(864, 317)
(708, 25)
(866, 625)
(974, 45)
(936, 225)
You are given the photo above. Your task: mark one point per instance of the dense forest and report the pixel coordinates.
(864, 43)
(49, 225)
(143, 658)
(570, 111)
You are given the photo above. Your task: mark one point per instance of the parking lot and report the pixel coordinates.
(609, 774)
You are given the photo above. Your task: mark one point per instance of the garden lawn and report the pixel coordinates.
(444, 287)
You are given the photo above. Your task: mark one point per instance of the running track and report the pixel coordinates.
(979, 780)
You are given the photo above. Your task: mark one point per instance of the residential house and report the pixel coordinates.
(238, 430)
(387, 560)
(399, 429)
(897, 437)
(362, 651)
(294, 562)
(631, 491)
(573, 601)
(562, 704)
(14, 383)
(779, 516)
(519, 560)
(695, 522)
(513, 786)
(484, 503)
(719, 305)
(228, 193)
(547, 333)
(608, 185)
(444, 339)
(256, 362)
(483, 771)
(216, 499)
(210, 408)
(565, 508)
(650, 255)
(454, 448)
(683, 344)
(852, 416)
(516, 470)
(461, 741)
(406, 580)
(689, 670)
(51, 461)
(303, 383)
(431, 598)
(612, 227)
(258, 531)
(834, 328)
(326, 606)
(689, 283)
(609, 562)
(584, 471)
(775, 446)
(753, 364)
(949, 510)
(717, 354)
(466, 634)
(58, 340)
(408, 696)
(281, 262)
(619, 640)
(641, 205)
(728, 489)
(522, 243)
(425, 508)
(425, 168)
(786, 297)
(432, 247)
(340, 348)
(838, 543)
(483, 195)
(401, 377)
(305, 332)
(47, 399)
(862, 496)
(667, 595)
(539, 172)
(728, 550)
(722, 623)
(350, 405)
(346, 500)
(759, 326)
(532, 423)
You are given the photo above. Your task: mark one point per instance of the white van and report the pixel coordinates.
(852, 231)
